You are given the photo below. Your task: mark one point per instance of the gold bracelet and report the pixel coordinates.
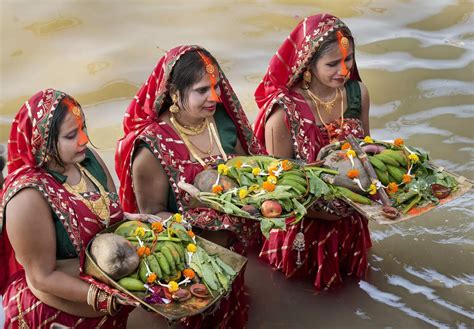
(92, 296)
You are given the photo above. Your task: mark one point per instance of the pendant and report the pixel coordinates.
(298, 245)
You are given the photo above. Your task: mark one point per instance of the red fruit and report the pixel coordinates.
(271, 209)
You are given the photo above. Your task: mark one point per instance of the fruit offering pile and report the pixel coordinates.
(170, 265)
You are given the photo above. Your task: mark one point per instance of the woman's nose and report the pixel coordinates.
(215, 95)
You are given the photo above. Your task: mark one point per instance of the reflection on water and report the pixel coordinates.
(416, 57)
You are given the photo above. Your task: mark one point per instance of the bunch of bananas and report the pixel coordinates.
(296, 179)
(167, 260)
(390, 166)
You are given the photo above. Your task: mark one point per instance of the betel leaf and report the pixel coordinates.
(209, 276)
(317, 186)
(229, 270)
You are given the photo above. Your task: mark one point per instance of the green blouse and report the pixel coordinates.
(353, 99)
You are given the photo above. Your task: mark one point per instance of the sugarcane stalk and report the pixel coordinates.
(364, 159)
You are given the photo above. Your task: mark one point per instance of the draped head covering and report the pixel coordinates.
(143, 112)
(288, 65)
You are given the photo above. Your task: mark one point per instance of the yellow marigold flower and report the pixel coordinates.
(368, 140)
(157, 227)
(272, 169)
(353, 173)
(272, 179)
(151, 277)
(243, 193)
(191, 247)
(189, 273)
(345, 146)
(238, 164)
(351, 153)
(222, 169)
(267, 186)
(406, 178)
(254, 187)
(178, 218)
(398, 142)
(392, 188)
(139, 231)
(372, 189)
(217, 189)
(173, 286)
(286, 165)
(413, 158)
(256, 171)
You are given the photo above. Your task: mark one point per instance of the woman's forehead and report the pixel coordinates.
(333, 51)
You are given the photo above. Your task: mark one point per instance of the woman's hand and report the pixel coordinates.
(148, 218)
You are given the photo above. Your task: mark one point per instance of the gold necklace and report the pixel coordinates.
(101, 206)
(190, 131)
(321, 118)
(327, 106)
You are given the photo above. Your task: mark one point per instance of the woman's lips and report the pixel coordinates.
(210, 108)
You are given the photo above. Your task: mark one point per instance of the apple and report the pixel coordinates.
(271, 209)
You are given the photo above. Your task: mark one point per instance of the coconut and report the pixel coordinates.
(115, 255)
(207, 178)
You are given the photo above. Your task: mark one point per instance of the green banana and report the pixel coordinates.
(387, 159)
(382, 176)
(399, 156)
(169, 257)
(177, 258)
(299, 188)
(391, 178)
(396, 173)
(296, 178)
(131, 284)
(142, 270)
(154, 265)
(165, 267)
(376, 163)
(353, 196)
(182, 253)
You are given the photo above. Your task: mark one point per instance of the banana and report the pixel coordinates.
(158, 246)
(177, 258)
(382, 176)
(377, 164)
(399, 156)
(169, 257)
(182, 253)
(396, 173)
(299, 188)
(142, 270)
(165, 267)
(154, 265)
(296, 178)
(387, 159)
(391, 178)
(131, 284)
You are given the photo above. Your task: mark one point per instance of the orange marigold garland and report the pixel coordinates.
(346, 146)
(189, 273)
(353, 173)
(398, 142)
(217, 189)
(392, 188)
(267, 186)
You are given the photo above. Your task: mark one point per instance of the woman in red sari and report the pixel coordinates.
(57, 196)
(311, 96)
(184, 119)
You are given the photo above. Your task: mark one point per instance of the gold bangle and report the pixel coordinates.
(92, 296)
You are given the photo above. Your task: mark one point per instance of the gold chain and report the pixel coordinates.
(190, 131)
(101, 206)
(327, 106)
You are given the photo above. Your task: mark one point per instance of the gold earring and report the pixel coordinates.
(174, 108)
(47, 158)
(307, 76)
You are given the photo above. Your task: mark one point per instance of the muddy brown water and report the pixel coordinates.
(416, 58)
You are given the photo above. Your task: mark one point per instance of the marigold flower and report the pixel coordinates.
(243, 193)
(141, 251)
(353, 173)
(189, 273)
(217, 189)
(267, 186)
(178, 218)
(286, 165)
(157, 227)
(372, 189)
(191, 247)
(151, 277)
(272, 179)
(139, 231)
(392, 188)
(173, 286)
(272, 169)
(254, 187)
(345, 146)
(238, 164)
(222, 169)
(368, 140)
(406, 178)
(351, 153)
(191, 234)
(398, 142)
(413, 158)
(256, 171)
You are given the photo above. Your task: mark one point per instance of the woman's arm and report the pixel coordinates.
(239, 148)
(150, 184)
(278, 141)
(31, 231)
(110, 181)
(365, 106)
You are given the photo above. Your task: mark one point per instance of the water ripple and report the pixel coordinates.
(438, 88)
(430, 275)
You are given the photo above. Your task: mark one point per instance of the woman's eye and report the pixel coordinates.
(332, 64)
(71, 136)
(202, 90)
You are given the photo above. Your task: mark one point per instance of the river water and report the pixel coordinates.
(416, 58)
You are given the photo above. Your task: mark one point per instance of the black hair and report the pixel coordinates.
(2, 163)
(189, 69)
(327, 44)
(58, 117)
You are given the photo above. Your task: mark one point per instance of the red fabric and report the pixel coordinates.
(27, 150)
(332, 248)
(141, 114)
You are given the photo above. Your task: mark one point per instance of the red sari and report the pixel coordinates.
(26, 154)
(142, 125)
(332, 248)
